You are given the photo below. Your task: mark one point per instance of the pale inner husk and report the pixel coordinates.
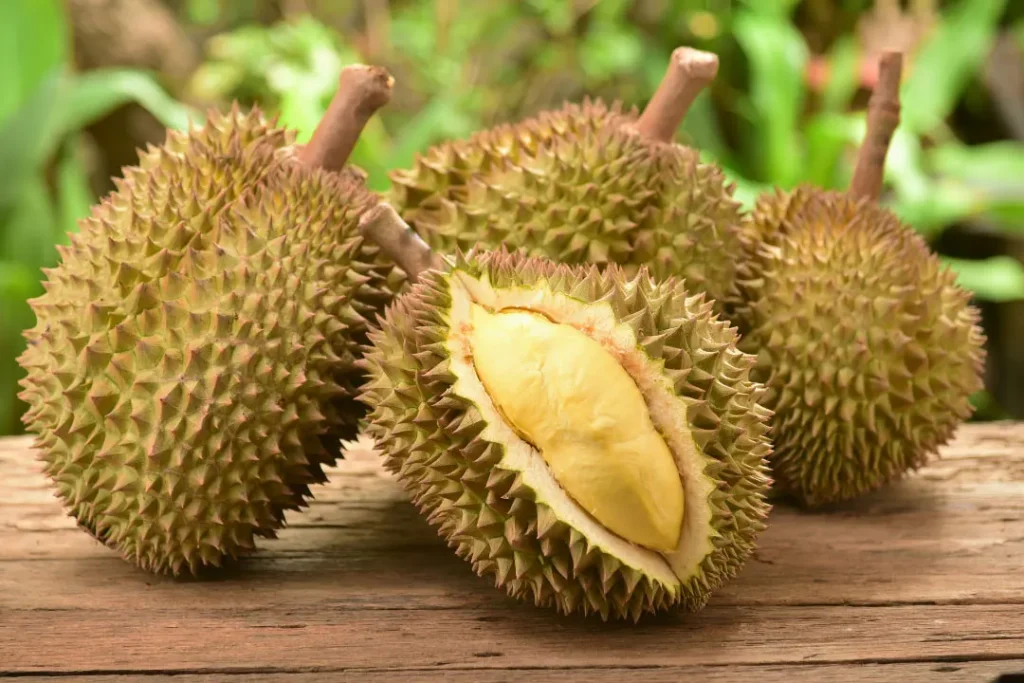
(667, 410)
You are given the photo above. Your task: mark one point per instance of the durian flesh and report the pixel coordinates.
(627, 477)
(574, 403)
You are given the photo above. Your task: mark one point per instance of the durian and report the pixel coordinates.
(587, 183)
(192, 366)
(869, 348)
(589, 439)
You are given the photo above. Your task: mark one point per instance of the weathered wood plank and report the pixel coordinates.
(961, 672)
(831, 564)
(923, 581)
(131, 637)
(953, 533)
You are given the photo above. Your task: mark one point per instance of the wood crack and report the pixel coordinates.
(249, 671)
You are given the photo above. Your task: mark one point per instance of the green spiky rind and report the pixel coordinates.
(430, 437)
(453, 163)
(696, 232)
(869, 348)
(192, 365)
(578, 185)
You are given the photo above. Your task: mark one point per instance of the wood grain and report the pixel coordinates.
(963, 672)
(923, 581)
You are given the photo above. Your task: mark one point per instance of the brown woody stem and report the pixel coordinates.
(362, 90)
(689, 71)
(383, 226)
(883, 118)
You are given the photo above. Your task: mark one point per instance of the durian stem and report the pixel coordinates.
(383, 226)
(883, 118)
(689, 71)
(362, 90)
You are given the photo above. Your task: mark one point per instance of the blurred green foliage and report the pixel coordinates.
(462, 66)
(44, 189)
(937, 180)
(465, 70)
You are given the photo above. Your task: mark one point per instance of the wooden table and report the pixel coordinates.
(922, 582)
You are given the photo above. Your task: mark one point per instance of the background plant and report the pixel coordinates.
(44, 188)
(787, 107)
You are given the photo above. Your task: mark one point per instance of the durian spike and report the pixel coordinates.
(883, 118)
(383, 226)
(362, 90)
(689, 71)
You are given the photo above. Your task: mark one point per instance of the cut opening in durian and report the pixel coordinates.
(589, 421)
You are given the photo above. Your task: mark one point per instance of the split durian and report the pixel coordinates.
(590, 440)
(191, 370)
(869, 348)
(590, 183)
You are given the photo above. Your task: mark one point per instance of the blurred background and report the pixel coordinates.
(85, 83)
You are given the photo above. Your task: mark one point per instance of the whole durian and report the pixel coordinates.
(868, 347)
(590, 183)
(590, 440)
(191, 370)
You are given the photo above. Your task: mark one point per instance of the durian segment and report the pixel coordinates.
(600, 321)
(521, 457)
(575, 404)
(869, 348)
(192, 365)
(493, 496)
(578, 185)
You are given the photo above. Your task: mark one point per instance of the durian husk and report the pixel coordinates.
(869, 348)
(192, 366)
(431, 437)
(578, 185)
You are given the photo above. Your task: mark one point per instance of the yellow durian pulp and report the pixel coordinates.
(570, 398)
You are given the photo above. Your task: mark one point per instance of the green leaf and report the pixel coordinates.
(301, 109)
(17, 285)
(938, 206)
(998, 166)
(904, 165)
(371, 154)
(774, 8)
(947, 62)
(216, 80)
(63, 103)
(986, 407)
(26, 233)
(27, 137)
(1000, 278)
(33, 41)
(993, 172)
(827, 135)
(1006, 215)
(843, 76)
(10, 374)
(609, 50)
(92, 95)
(701, 126)
(928, 204)
(778, 56)
(557, 15)
(74, 196)
(203, 12)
